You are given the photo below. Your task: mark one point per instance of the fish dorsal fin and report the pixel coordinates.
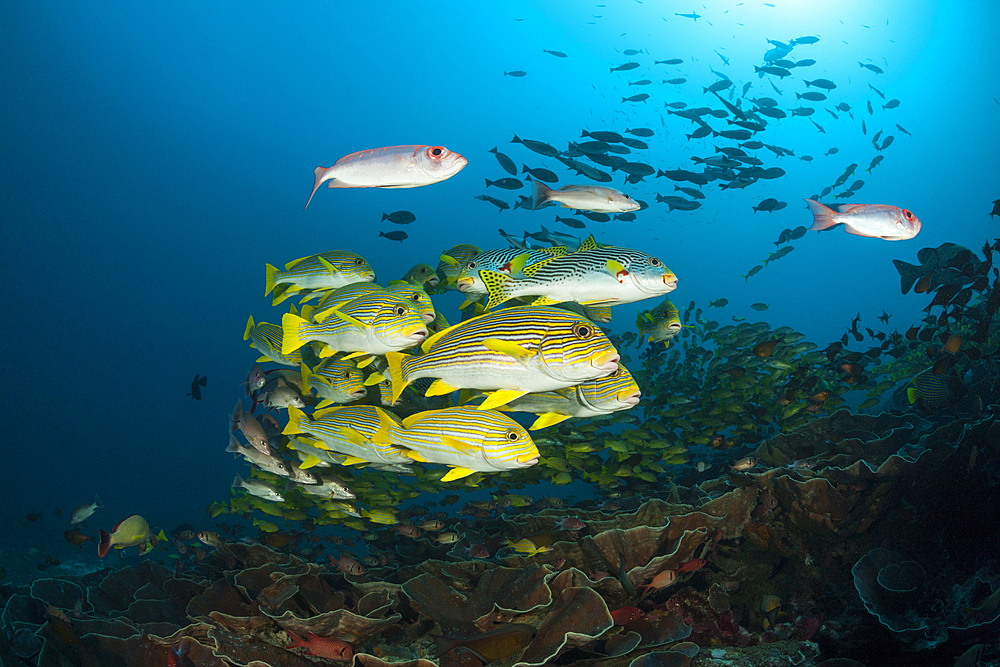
(327, 411)
(532, 269)
(434, 338)
(458, 445)
(294, 262)
(501, 397)
(547, 419)
(555, 251)
(457, 472)
(509, 348)
(409, 421)
(589, 243)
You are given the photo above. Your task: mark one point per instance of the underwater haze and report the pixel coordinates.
(157, 155)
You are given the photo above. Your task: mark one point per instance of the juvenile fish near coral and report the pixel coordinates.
(390, 167)
(890, 223)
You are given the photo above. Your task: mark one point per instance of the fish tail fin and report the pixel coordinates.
(318, 181)
(104, 544)
(540, 194)
(488, 182)
(908, 274)
(270, 274)
(291, 337)
(442, 645)
(296, 640)
(397, 374)
(246, 332)
(822, 216)
(295, 418)
(238, 482)
(306, 375)
(234, 446)
(97, 501)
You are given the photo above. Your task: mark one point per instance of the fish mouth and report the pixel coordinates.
(359, 393)
(607, 361)
(630, 399)
(429, 317)
(670, 280)
(528, 459)
(417, 335)
(464, 284)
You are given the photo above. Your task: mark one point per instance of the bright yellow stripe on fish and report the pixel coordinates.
(323, 271)
(613, 387)
(350, 430)
(266, 338)
(373, 324)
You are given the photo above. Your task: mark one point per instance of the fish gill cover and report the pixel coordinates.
(608, 397)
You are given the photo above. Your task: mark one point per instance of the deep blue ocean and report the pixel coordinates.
(156, 155)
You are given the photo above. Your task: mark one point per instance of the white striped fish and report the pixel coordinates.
(467, 439)
(594, 276)
(515, 351)
(374, 324)
(266, 337)
(327, 270)
(505, 260)
(335, 381)
(618, 391)
(661, 323)
(412, 294)
(345, 430)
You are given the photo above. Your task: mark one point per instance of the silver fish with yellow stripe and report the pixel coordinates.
(415, 296)
(347, 430)
(467, 439)
(267, 339)
(451, 262)
(594, 276)
(660, 323)
(335, 381)
(616, 392)
(370, 325)
(509, 261)
(514, 351)
(327, 270)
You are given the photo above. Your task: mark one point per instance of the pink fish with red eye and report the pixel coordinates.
(878, 221)
(409, 166)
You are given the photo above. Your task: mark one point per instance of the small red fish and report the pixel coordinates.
(626, 615)
(323, 647)
(691, 565)
(570, 523)
(348, 565)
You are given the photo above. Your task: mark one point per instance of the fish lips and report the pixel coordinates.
(417, 335)
(464, 284)
(527, 459)
(607, 361)
(630, 398)
(670, 280)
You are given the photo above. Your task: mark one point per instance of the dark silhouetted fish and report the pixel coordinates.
(399, 217)
(196, 384)
(395, 236)
(557, 54)
(505, 161)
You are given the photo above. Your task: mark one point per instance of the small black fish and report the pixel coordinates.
(505, 162)
(557, 54)
(996, 208)
(506, 183)
(394, 236)
(399, 217)
(196, 384)
(500, 204)
(571, 222)
(516, 73)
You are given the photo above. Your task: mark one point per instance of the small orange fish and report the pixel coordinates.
(692, 565)
(661, 580)
(625, 615)
(323, 647)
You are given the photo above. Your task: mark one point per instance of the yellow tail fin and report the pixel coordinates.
(270, 274)
(291, 338)
(396, 374)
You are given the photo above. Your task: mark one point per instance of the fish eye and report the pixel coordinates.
(359, 262)
(400, 311)
(346, 374)
(655, 262)
(437, 151)
(583, 331)
(512, 435)
(627, 197)
(617, 372)
(907, 214)
(472, 265)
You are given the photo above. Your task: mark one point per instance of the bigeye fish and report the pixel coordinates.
(266, 338)
(661, 323)
(583, 197)
(347, 430)
(335, 381)
(327, 270)
(616, 392)
(515, 351)
(878, 221)
(133, 531)
(409, 166)
(593, 276)
(509, 261)
(466, 438)
(371, 325)
(451, 262)
(83, 512)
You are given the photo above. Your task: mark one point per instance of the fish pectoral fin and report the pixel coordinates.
(532, 269)
(324, 403)
(327, 352)
(547, 419)
(617, 271)
(459, 446)
(309, 462)
(514, 350)
(349, 319)
(501, 397)
(353, 437)
(373, 379)
(439, 388)
(416, 456)
(516, 265)
(327, 265)
(545, 301)
(353, 461)
(457, 473)
(496, 285)
(365, 361)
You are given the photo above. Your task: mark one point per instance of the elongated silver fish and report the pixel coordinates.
(255, 487)
(268, 462)
(594, 276)
(584, 198)
(879, 221)
(390, 167)
(515, 351)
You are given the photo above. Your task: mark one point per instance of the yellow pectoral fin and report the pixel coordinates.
(327, 352)
(324, 403)
(457, 473)
(501, 397)
(309, 462)
(352, 461)
(547, 419)
(327, 265)
(353, 436)
(911, 395)
(353, 355)
(374, 378)
(364, 362)
(459, 446)
(510, 349)
(347, 318)
(517, 264)
(416, 456)
(615, 268)
(438, 388)
(263, 358)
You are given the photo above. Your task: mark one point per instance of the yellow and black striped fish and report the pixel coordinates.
(514, 351)
(465, 438)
